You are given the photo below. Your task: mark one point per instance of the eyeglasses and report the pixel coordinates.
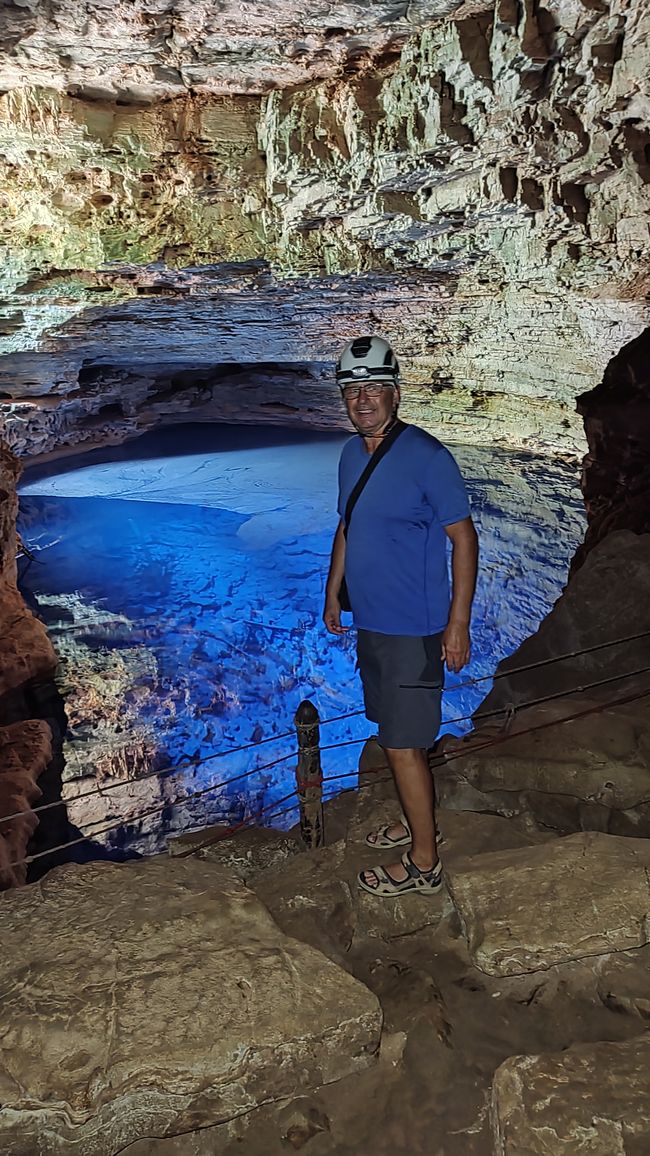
(371, 389)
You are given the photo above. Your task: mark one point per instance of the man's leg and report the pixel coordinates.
(414, 785)
(415, 788)
(406, 704)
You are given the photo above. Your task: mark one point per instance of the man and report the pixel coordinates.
(408, 621)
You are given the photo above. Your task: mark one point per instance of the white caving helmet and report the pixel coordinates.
(367, 359)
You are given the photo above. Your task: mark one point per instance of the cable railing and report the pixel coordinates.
(199, 761)
(496, 740)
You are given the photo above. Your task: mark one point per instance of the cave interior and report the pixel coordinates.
(200, 204)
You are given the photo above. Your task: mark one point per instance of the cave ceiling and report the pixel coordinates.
(201, 201)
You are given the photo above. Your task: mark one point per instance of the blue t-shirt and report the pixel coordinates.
(395, 556)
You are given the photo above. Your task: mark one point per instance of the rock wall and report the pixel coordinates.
(25, 744)
(616, 472)
(502, 149)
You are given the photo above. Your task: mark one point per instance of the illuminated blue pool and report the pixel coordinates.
(182, 577)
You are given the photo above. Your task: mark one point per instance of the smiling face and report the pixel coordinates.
(369, 414)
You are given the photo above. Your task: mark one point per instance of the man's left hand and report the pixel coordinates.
(456, 648)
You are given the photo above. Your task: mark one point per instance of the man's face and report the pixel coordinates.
(371, 414)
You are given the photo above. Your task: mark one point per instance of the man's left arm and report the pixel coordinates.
(464, 567)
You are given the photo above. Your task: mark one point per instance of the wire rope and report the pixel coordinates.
(496, 741)
(164, 771)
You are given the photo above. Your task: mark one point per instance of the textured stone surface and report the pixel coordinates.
(530, 908)
(590, 772)
(616, 471)
(592, 1099)
(313, 898)
(163, 998)
(608, 599)
(25, 653)
(249, 853)
(138, 52)
(26, 650)
(503, 151)
(25, 750)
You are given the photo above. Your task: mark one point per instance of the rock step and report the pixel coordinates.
(156, 997)
(591, 1100)
(528, 908)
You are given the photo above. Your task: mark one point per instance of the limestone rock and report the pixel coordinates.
(469, 833)
(26, 650)
(606, 600)
(164, 999)
(249, 853)
(592, 771)
(311, 897)
(591, 1099)
(10, 470)
(616, 471)
(530, 908)
(136, 54)
(25, 747)
(501, 152)
(25, 750)
(577, 752)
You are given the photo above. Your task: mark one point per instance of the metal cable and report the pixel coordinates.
(115, 785)
(142, 778)
(496, 741)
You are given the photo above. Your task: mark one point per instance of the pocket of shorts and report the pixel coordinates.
(433, 674)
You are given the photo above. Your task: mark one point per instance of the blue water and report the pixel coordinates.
(182, 577)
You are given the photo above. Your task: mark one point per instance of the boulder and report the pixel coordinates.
(591, 1100)
(529, 908)
(156, 998)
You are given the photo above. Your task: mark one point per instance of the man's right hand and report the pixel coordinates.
(332, 616)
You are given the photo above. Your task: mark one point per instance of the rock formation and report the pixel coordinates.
(616, 475)
(27, 654)
(157, 1020)
(490, 153)
(200, 203)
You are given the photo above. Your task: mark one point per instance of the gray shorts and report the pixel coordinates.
(402, 681)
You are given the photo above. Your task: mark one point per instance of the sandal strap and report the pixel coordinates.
(415, 872)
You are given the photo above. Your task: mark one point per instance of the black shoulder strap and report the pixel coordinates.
(374, 461)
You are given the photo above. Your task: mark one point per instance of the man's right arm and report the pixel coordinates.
(332, 611)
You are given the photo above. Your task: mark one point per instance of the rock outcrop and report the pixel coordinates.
(487, 1060)
(167, 1000)
(26, 649)
(528, 909)
(563, 734)
(616, 472)
(589, 1100)
(25, 750)
(26, 654)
